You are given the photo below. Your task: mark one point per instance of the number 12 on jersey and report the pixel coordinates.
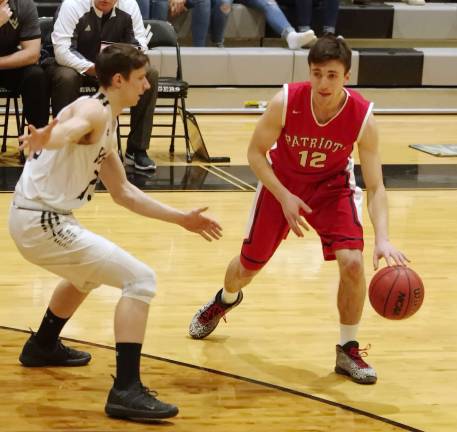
(315, 160)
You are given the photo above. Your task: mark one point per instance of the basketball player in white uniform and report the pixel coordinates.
(65, 160)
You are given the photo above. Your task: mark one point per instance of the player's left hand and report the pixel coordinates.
(390, 253)
(197, 222)
(36, 139)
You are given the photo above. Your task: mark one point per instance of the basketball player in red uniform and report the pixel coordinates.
(308, 131)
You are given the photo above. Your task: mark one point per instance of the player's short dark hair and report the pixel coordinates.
(118, 58)
(330, 47)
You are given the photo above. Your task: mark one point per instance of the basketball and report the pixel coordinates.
(396, 292)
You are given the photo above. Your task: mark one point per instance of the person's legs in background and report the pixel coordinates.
(304, 11)
(201, 11)
(331, 8)
(65, 85)
(145, 6)
(158, 9)
(278, 22)
(220, 11)
(141, 126)
(33, 86)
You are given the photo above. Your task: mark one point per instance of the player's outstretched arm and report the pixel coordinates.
(124, 193)
(82, 123)
(370, 163)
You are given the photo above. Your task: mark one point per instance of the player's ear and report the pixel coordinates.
(347, 75)
(116, 80)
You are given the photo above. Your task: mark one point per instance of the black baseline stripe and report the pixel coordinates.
(245, 379)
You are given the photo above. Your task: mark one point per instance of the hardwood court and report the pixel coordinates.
(283, 334)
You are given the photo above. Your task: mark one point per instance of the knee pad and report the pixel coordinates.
(143, 288)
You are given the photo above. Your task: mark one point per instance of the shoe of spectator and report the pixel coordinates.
(140, 160)
(296, 40)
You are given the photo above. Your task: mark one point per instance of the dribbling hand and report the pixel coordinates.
(390, 253)
(36, 139)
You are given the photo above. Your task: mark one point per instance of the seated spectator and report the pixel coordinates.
(304, 11)
(208, 17)
(80, 28)
(279, 23)
(415, 2)
(19, 27)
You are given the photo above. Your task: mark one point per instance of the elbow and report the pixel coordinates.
(123, 198)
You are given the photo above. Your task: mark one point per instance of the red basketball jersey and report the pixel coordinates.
(310, 151)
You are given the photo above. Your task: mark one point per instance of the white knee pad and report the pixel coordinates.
(143, 288)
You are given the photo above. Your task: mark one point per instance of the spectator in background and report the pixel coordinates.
(80, 28)
(304, 11)
(19, 27)
(415, 2)
(210, 16)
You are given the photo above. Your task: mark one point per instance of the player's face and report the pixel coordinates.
(135, 86)
(327, 81)
(104, 5)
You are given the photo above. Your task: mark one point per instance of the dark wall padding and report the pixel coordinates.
(400, 67)
(368, 22)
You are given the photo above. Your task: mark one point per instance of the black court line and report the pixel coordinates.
(231, 178)
(246, 379)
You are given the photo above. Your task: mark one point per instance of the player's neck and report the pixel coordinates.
(325, 110)
(114, 101)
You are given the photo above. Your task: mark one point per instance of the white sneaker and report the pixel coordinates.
(298, 40)
(415, 2)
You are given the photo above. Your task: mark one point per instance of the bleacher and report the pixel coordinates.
(395, 45)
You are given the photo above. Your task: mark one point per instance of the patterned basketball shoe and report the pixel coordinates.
(349, 362)
(207, 317)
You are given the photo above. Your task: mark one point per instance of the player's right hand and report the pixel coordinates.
(35, 139)
(293, 207)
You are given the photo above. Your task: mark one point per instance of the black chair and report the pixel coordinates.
(171, 88)
(9, 96)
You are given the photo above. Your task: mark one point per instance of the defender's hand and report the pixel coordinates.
(35, 139)
(208, 228)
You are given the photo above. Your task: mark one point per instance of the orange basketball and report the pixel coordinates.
(396, 292)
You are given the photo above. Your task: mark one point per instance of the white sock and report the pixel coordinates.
(297, 40)
(348, 333)
(229, 297)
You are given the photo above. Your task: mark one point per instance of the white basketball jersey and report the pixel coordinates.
(65, 178)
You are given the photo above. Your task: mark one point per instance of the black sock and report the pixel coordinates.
(49, 330)
(127, 364)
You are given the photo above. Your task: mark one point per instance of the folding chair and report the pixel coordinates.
(172, 88)
(8, 96)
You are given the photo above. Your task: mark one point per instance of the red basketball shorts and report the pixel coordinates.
(336, 217)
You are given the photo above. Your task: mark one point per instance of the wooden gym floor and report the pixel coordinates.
(271, 366)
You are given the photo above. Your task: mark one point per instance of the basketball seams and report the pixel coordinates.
(396, 292)
(378, 277)
(407, 311)
(392, 286)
